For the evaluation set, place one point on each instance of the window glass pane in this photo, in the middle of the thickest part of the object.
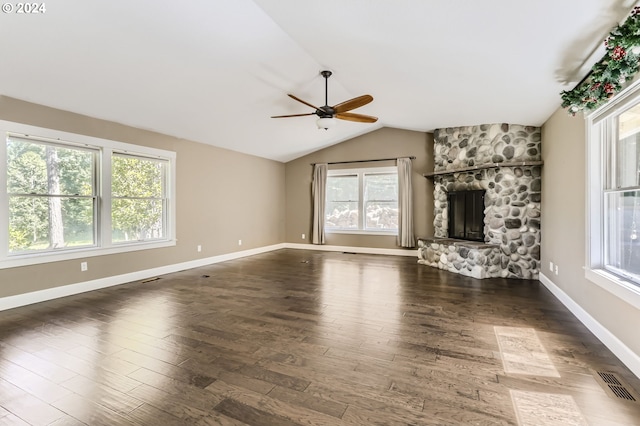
(341, 210)
(137, 204)
(342, 188)
(137, 177)
(51, 196)
(627, 149)
(381, 187)
(37, 168)
(381, 215)
(136, 219)
(622, 242)
(50, 223)
(381, 201)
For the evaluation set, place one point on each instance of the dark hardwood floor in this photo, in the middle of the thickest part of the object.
(297, 337)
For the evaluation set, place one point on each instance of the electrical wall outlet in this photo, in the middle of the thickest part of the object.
(303, 236)
(199, 248)
(83, 266)
(556, 269)
(239, 242)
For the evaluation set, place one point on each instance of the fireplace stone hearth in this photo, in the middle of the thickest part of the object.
(470, 258)
(505, 161)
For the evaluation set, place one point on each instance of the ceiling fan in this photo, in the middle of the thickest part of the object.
(327, 113)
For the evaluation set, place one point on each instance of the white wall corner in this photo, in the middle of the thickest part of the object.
(615, 345)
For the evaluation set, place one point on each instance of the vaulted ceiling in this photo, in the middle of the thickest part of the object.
(214, 71)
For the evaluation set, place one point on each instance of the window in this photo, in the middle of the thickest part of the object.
(138, 198)
(622, 197)
(52, 196)
(71, 196)
(614, 191)
(362, 200)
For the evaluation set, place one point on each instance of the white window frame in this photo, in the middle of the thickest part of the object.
(598, 130)
(361, 172)
(163, 199)
(94, 195)
(106, 148)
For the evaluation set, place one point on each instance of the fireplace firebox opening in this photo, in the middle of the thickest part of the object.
(466, 215)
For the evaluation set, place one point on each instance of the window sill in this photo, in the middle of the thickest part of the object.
(38, 258)
(615, 285)
(391, 232)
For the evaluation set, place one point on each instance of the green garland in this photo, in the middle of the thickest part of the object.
(608, 75)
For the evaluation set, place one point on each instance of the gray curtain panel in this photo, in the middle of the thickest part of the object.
(318, 191)
(405, 204)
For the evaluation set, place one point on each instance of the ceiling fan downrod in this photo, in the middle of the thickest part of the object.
(326, 74)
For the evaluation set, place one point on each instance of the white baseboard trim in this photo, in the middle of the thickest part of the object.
(615, 345)
(24, 299)
(11, 302)
(359, 250)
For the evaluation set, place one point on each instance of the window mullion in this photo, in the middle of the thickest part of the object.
(4, 203)
(105, 197)
(166, 217)
(361, 201)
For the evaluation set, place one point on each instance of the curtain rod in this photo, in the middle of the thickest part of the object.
(365, 161)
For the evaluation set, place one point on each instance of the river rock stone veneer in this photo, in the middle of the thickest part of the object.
(502, 154)
(472, 259)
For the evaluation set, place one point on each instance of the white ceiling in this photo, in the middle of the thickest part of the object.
(214, 71)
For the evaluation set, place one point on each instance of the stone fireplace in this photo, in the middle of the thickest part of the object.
(504, 160)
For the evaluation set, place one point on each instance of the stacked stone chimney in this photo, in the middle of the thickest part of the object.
(505, 161)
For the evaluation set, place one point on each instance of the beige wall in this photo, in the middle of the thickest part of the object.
(222, 196)
(382, 143)
(563, 227)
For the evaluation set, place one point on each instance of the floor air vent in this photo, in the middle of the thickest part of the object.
(614, 386)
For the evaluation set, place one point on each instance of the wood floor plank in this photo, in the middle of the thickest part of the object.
(68, 421)
(251, 415)
(189, 395)
(245, 382)
(46, 369)
(366, 398)
(304, 399)
(361, 416)
(31, 383)
(258, 409)
(26, 406)
(88, 411)
(187, 409)
(280, 379)
(105, 392)
(12, 420)
(219, 419)
(300, 337)
(152, 363)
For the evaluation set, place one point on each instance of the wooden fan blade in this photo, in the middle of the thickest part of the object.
(352, 103)
(301, 101)
(360, 118)
(292, 115)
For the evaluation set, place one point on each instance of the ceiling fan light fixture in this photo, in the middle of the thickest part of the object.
(325, 123)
